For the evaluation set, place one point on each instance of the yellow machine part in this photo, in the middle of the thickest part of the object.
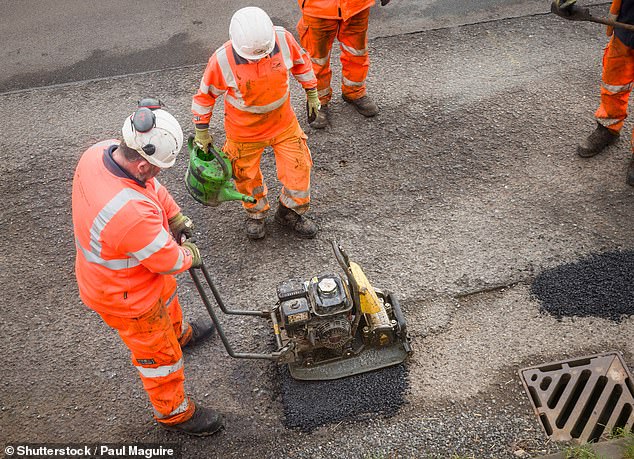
(370, 304)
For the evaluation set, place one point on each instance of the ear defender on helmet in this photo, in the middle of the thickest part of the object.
(154, 134)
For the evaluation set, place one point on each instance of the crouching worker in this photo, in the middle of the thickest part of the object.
(126, 226)
(252, 71)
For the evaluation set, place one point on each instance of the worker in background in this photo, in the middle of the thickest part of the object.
(126, 230)
(347, 20)
(252, 70)
(616, 82)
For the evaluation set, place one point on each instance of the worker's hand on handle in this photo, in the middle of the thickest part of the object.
(181, 226)
(203, 138)
(312, 104)
(568, 10)
(197, 261)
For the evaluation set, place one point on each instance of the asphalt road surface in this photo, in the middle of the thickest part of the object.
(59, 41)
(462, 192)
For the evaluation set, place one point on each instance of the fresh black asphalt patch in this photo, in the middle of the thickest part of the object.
(310, 404)
(600, 285)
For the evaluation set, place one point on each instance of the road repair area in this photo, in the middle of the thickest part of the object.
(464, 197)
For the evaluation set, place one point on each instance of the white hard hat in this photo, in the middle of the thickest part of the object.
(252, 33)
(155, 134)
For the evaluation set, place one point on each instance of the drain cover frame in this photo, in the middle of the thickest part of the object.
(581, 398)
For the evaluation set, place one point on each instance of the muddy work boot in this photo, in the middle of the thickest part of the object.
(364, 105)
(255, 228)
(303, 226)
(204, 422)
(596, 142)
(200, 330)
(630, 173)
(321, 121)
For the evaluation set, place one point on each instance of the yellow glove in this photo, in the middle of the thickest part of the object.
(203, 139)
(312, 102)
(181, 225)
(197, 262)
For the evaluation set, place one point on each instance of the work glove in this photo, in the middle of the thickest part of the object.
(197, 261)
(312, 104)
(568, 10)
(181, 226)
(384, 2)
(203, 138)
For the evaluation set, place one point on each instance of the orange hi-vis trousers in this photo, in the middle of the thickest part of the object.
(293, 163)
(616, 85)
(317, 36)
(154, 339)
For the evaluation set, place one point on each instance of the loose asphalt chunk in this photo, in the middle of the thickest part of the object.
(310, 404)
(600, 285)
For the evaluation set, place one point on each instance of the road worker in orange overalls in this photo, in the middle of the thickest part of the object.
(346, 20)
(126, 227)
(251, 71)
(616, 85)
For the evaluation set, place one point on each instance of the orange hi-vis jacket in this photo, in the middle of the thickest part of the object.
(257, 95)
(334, 9)
(124, 247)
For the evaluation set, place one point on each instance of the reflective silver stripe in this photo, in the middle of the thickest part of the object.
(178, 265)
(259, 206)
(180, 409)
(99, 223)
(617, 89)
(324, 92)
(238, 101)
(305, 76)
(297, 194)
(160, 372)
(287, 201)
(157, 244)
(320, 60)
(348, 82)
(260, 109)
(171, 298)
(284, 49)
(204, 88)
(607, 122)
(185, 328)
(197, 108)
(299, 62)
(157, 184)
(354, 51)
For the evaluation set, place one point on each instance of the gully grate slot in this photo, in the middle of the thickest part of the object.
(581, 399)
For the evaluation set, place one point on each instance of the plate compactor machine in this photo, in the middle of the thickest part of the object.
(326, 327)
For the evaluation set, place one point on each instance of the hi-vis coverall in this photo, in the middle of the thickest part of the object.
(125, 261)
(347, 20)
(618, 69)
(258, 114)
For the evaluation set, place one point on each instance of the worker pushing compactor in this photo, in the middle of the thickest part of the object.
(618, 75)
(251, 71)
(126, 230)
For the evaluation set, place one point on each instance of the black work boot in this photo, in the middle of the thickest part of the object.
(201, 330)
(364, 105)
(596, 142)
(255, 228)
(630, 173)
(321, 121)
(204, 422)
(303, 226)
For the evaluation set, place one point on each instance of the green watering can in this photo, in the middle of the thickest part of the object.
(208, 178)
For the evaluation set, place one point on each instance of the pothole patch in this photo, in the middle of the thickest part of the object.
(601, 285)
(583, 398)
(310, 404)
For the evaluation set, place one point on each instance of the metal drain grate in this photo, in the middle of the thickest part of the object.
(581, 399)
